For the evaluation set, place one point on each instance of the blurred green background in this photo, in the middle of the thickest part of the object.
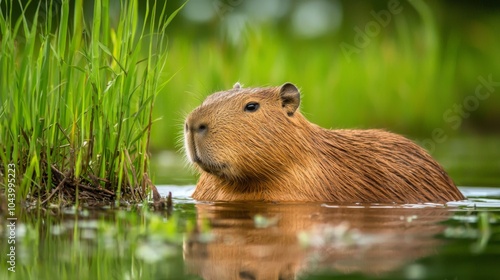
(429, 70)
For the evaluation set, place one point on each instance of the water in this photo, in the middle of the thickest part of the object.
(284, 241)
(460, 240)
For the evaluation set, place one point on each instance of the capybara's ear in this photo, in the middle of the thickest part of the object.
(237, 85)
(290, 98)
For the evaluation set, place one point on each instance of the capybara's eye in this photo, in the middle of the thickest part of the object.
(251, 107)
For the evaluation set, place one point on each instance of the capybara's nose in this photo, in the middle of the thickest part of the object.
(197, 128)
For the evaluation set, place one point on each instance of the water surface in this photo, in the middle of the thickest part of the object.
(196, 240)
(459, 240)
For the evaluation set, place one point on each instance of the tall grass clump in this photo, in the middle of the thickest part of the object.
(77, 96)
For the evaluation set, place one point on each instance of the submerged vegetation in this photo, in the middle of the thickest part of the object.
(96, 244)
(77, 97)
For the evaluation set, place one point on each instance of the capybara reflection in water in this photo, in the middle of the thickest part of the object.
(304, 238)
(253, 144)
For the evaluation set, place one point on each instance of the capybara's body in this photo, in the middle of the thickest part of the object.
(254, 145)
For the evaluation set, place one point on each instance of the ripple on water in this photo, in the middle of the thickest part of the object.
(478, 197)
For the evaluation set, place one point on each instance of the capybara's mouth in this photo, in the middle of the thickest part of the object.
(211, 167)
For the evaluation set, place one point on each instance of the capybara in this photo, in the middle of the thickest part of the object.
(253, 144)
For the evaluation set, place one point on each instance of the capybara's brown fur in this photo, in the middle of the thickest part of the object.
(253, 144)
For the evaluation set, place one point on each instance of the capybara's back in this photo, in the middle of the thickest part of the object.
(380, 166)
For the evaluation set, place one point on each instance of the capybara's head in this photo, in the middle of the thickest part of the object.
(241, 133)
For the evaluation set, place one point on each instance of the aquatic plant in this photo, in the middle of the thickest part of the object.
(77, 91)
